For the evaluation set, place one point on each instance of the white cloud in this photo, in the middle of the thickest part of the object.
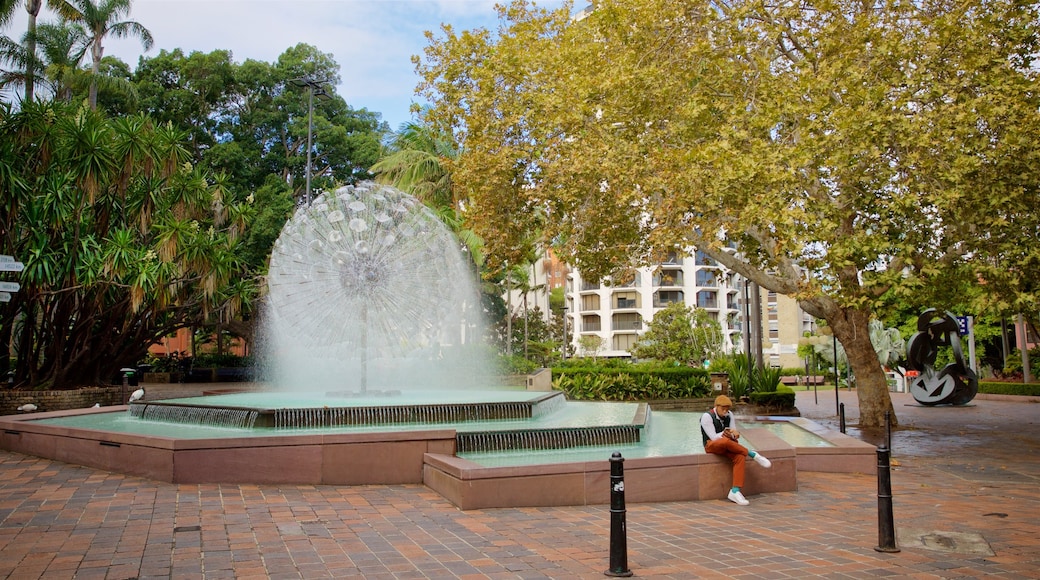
(372, 40)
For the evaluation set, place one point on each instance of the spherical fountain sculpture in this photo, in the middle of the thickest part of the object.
(370, 292)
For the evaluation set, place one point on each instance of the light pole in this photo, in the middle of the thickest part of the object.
(314, 88)
(565, 311)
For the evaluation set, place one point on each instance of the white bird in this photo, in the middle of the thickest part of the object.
(28, 408)
(136, 395)
(96, 405)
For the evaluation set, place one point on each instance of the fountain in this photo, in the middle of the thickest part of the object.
(378, 376)
(368, 287)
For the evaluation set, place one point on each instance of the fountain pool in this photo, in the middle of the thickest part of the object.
(555, 454)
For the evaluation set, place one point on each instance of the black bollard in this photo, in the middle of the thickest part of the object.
(886, 524)
(841, 417)
(888, 429)
(618, 540)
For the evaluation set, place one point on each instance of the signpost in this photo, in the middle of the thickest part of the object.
(965, 327)
(9, 264)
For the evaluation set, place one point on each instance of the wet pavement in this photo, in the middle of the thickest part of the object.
(966, 504)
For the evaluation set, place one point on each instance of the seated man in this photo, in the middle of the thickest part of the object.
(719, 431)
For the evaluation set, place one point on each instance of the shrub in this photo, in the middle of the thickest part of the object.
(767, 380)
(212, 360)
(994, 388)
(1014, 363)
(778, 400)
(630, 383)
(516, 365)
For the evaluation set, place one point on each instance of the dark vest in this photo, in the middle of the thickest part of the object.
(721, 423)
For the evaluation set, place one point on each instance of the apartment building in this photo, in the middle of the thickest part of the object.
(618, 311)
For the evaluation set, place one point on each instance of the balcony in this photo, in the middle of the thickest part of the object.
(706, 279)
(627, 322)
(668, 278)
(665, 297)
(623, 303)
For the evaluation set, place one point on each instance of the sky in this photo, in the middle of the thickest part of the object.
(372, 40)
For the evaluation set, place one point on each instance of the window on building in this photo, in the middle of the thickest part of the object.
(707, 299)
(702, 259)
(590, 302)
(626, 300)
(706, 278)
(624, 341)
(668, 278)
(629, 279)
(591, 323)
(663, 298)
(627, 321)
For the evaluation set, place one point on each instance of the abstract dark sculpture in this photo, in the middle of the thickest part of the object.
(956, 383)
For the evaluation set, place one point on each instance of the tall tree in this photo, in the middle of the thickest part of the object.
(7, 8)
(682, 334)
(840, 152)
(419, 162)
(123, 242)
(102, 18)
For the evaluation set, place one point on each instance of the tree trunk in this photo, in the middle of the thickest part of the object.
(509, 315)
(33, 8)
(96, 51)
(525, 326)
(851, 327)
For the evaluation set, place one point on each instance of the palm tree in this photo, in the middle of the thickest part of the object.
(419, 164)
(56, 50)
(101, 19)
(7, 8)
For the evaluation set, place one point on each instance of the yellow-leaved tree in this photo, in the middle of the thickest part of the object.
(844, 153)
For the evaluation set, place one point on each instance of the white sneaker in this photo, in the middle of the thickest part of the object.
(761, 460)
(737, 498)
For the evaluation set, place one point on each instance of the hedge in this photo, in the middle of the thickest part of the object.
(632, 383)
(1001, 388)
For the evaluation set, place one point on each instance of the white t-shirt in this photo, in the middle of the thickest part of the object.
(709, 425)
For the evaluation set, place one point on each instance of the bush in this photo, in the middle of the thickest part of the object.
(767, 380)
(631, 382)
(213, 360)
(778, 400)
(516, 365)
(994, 388)
(1014, 363)
(793, 371)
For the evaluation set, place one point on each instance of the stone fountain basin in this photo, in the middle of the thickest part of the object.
(420, 455)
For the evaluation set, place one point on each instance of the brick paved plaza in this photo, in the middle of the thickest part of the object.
(966, 505)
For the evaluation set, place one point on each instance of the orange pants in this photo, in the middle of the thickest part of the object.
(736, 452)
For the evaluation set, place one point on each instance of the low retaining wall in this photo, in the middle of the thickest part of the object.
(423, 457)
(60, 400)
(649, 479)
(326, 459)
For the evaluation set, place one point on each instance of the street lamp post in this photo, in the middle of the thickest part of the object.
(314, 88)
(565, 311)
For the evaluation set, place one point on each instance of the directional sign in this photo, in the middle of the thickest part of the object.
(11, 266)
(6, 258)
(962, 325)
(9, 286)
(5, 297)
